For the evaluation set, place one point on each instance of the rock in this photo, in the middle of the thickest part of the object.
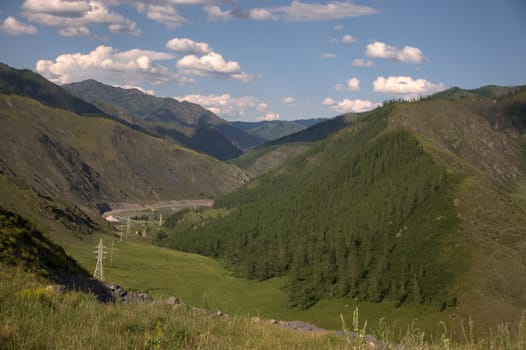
(272, 321)
(56, 288)
(120, 295)
(219, 313)
(173, 301)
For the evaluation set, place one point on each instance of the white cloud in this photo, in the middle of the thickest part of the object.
(353, 84)
(165, 14)
(257, 14)
(338, 27)
(295, 12)
(216, 14)
(77, 13)
(13, 27)
(288, 100)
(228, 106)
(74, 31)
(188, 46)
(261, 15)
(348, 106)
(300, 12)
(348, 38)
(68, 8)
(408, 54)
(149, 91)
(269, 116)
(358, 62)
(406, 87)
(328, 55)
(214, 65)
(328, 101)
(132, 67)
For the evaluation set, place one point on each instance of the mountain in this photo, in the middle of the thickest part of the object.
(59, 167)
(186, 123)
(273, 154)
(418, 203)
(275, 129)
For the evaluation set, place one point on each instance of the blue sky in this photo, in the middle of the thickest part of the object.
(264, 59)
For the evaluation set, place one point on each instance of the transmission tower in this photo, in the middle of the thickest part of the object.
(128, 228)
(99, 269)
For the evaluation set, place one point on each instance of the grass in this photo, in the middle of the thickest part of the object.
(204, 282)
(33, 317)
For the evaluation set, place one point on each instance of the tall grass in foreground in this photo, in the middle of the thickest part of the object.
(32, 317)
(504, 336)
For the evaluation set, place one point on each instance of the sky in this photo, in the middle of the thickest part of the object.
(271, 60)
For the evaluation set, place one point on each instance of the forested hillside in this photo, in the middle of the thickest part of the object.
(388, 208)
(342, 219)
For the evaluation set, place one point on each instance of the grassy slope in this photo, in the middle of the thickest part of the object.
(264, 159)
(205, 282)
(87, 160)
(79, 321)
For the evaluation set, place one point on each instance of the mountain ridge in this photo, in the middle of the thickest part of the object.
(186, 123)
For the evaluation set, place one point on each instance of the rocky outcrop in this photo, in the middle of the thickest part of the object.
(120, 295)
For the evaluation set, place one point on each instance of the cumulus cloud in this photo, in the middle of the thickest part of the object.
(165, 14)
(300, 12)
(76, 14)
(348, 38)
(261, 15)
(297, 11)
(215, 13)
(405, 87)
(328, 101)
(14, 27)
(269, 116)
(328, 55)
(353, 84)
(132, 67)
(74, 31)
(188, 46)
(228, 106)
(358, 62)
(149, 91)
(214, 65)
(288, 100)
(348, 106)
(408, 54)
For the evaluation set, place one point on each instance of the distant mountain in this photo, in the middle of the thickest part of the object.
(275, 129)
(275, 153)
(186, 123)
(420, 203)
(59, 166)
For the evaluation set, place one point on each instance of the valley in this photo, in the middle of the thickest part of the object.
(410, 211)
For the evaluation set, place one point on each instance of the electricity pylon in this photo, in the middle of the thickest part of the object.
(99, 269)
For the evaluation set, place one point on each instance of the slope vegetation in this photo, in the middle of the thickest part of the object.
(186, 123)
(91, 160)
(411, 203)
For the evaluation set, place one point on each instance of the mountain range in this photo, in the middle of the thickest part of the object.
(414, 203)
(183, 122)
(62, 159)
